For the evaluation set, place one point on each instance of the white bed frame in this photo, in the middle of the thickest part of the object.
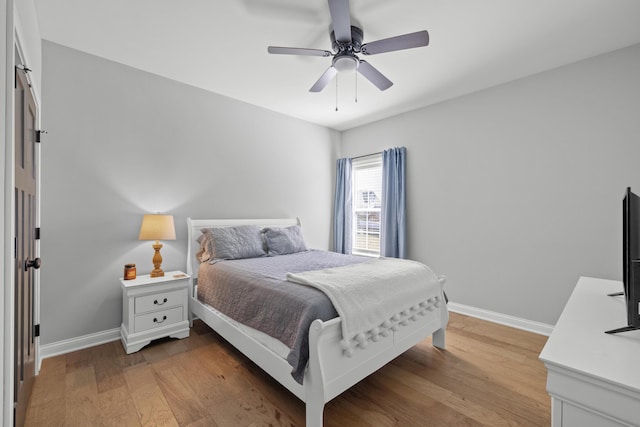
(329, 372)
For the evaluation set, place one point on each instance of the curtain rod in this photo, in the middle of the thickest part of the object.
(366, 155)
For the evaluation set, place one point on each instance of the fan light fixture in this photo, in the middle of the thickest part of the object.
(345, 63)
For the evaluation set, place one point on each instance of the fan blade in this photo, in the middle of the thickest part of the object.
(297, 51)
(324, 79)
(341, 20)
(407, 41)
(374, 76)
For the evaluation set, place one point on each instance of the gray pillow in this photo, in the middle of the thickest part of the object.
(282, 241)
(243, 241)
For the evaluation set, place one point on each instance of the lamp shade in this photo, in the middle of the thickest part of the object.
(157, 227)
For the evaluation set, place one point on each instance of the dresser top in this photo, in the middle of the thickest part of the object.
(579, 343)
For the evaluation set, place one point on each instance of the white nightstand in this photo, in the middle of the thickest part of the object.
(154, 307)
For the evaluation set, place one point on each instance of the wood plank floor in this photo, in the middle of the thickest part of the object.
(489, 375)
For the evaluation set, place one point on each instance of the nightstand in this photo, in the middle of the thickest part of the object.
(154, 307)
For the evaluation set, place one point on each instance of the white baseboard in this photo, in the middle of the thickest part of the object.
(85, 341)
(77, 343)
(503, 319)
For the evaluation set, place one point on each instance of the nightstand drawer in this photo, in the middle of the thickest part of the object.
(158, 301)
(157, 319)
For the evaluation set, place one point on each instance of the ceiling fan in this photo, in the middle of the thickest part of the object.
(346, 41)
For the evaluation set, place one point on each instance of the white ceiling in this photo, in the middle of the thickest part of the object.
(221, 46)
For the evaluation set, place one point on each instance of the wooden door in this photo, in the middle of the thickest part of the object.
(25, 253)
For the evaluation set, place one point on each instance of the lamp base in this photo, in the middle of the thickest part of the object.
(157, 272)
(157, 261)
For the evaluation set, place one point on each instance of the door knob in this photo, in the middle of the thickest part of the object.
(35, 263)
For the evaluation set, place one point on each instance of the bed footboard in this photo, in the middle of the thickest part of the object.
(330, 372)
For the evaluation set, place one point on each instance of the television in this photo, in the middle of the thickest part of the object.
(630, 260)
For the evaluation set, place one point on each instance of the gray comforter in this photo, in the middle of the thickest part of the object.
(255, 291)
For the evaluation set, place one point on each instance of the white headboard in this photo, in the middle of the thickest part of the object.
(195, 225)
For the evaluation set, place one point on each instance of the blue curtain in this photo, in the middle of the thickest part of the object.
(393, 209)
(342, 207)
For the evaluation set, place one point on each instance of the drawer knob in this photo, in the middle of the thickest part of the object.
(155, 320)
(164, 301)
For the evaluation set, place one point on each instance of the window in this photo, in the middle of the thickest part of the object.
(367, 201)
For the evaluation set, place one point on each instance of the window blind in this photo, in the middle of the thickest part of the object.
(367, 200)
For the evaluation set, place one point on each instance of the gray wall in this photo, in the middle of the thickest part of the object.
(123, 143)
(514, 192)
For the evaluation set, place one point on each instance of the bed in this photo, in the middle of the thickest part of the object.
(330, 367)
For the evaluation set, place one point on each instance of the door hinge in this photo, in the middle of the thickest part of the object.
(37, 233)
(36, 330)
(15, 75)
(39, 135)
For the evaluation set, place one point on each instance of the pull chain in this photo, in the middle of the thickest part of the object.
(356, 73)
(336, 93)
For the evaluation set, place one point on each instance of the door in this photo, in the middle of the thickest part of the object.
(25, 248)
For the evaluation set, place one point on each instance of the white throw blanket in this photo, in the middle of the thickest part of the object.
(375, 297)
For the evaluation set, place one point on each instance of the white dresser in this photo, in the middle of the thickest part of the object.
(154, 307)
(593, 378)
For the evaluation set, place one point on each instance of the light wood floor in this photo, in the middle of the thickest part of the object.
(489, 375)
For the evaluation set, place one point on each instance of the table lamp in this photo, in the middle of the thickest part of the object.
(157, 227)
